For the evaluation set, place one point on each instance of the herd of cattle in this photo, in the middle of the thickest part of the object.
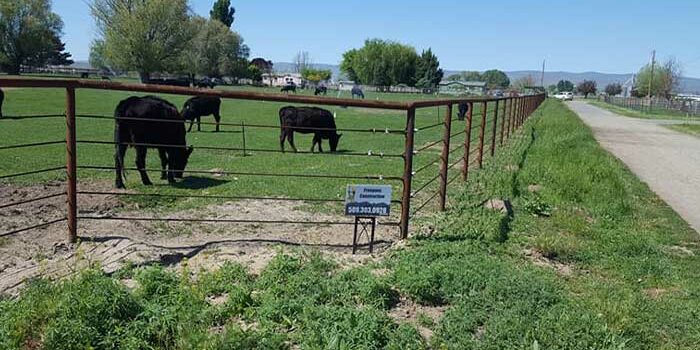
(152, 122)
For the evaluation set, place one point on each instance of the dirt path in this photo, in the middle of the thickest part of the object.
(668, 161)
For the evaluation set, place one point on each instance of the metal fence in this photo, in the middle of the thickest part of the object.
(463, 147)
(684, 107)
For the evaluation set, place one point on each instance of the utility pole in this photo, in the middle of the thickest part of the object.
(542, 76)
(653, 62)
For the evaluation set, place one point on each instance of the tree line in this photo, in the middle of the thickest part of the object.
(163, 36)
(30, 35)
(385, 63)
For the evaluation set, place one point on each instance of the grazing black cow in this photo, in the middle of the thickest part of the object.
(321, 90)
(289, 88)
(308, 120)
(169, 134)
(357, 91)
(199, 106)
(2, 98)
(463, 109)
(205, 83)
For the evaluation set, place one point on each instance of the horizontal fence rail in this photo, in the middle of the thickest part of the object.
(427, 166)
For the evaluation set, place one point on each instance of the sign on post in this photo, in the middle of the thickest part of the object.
(366, 203)
(368, 200)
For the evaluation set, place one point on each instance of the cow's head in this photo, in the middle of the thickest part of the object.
(179, 158)
(334, 141)
(187, 112)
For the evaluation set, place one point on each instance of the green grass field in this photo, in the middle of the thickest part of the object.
(690, 129)
(590, 260)
(653, 114)
(24, 102)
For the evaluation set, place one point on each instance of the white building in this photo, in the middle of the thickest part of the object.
(282, 79)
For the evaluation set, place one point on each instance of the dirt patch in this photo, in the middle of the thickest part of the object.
(424, 318)
(658, 293)
(537, 258)
(204, 245)
(679, 251)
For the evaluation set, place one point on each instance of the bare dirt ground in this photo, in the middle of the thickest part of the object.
(112, 243)
(668, 161)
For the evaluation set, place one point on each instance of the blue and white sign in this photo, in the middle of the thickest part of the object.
(368, 200)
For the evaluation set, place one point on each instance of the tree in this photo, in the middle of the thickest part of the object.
(495, 78)
(316, 75)
(301, 61)
(29, 33)
(552, 89)
(381, 63)
(254, 73)
(665, 80)
(263, 65)
(145, 36)
(613, 89)
(428, 72)
(214, 50)
(223, 12)
(58, 56)
(524, 82)
(587, 87)
(565, 85)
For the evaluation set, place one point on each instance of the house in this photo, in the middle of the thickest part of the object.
(474, 88)
(282, 79)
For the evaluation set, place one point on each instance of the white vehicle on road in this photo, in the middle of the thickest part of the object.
(564, 96)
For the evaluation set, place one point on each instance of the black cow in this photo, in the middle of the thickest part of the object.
(308, 120)
(357, 91)
(169, 134)
(321, 90)
(197, 107)
(463, 109)
(84, 75)
(2, 98)
(205, 83)
(288, 88)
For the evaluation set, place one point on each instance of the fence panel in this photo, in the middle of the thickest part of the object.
(512, 112)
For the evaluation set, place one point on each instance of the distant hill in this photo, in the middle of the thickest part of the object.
(688, 85)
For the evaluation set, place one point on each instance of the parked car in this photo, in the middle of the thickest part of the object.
(564, 96)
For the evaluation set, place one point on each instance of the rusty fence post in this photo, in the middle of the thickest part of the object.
(467, 142)
(510, 117)
(445, 157)
(482, 127)
(71, 173)
(494, 129)
(503, 119)
(408, 171)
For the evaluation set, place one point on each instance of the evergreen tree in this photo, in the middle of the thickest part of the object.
(223, 12)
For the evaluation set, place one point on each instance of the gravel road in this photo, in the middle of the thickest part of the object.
(668, 161)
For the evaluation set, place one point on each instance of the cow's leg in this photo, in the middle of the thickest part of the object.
(217, 117)
(290, 137)
(283, 135)
(163, 163)
(141, 165)
(191, 124)
(199, 123)
(320, 144)
(171, 170)
(120, 150)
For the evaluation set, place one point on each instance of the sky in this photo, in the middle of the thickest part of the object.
(571, 35)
